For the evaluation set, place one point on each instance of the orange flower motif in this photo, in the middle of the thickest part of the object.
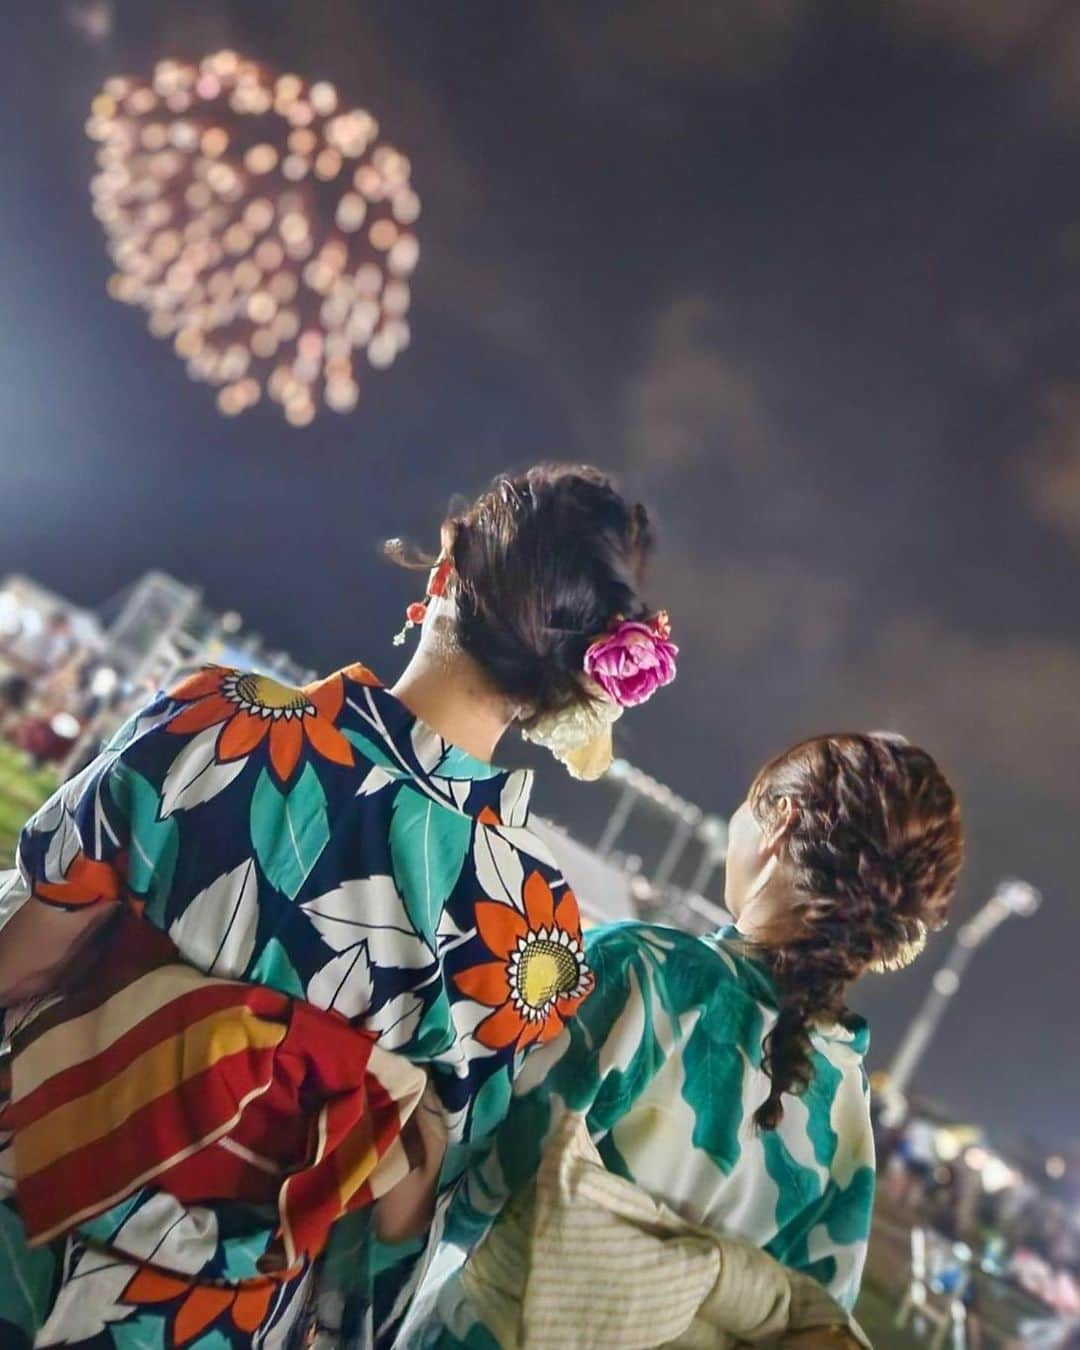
(540, 975)
(247, 1304)
(87, 882)
(255, 707)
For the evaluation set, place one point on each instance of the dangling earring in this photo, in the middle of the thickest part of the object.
(438, 584)
(414, 616)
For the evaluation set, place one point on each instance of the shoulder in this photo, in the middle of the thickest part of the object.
(214, 695)
(260, 692)
(703, 988)
(664, 967)
(195, 738)
(662, 952)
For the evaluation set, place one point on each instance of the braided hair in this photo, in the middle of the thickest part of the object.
(874, 847)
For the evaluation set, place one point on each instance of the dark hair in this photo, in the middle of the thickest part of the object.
(544, 561)
(875, 846)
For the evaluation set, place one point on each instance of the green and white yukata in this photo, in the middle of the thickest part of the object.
(665, 1062)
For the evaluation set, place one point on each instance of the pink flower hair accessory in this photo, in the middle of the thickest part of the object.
(632, 661)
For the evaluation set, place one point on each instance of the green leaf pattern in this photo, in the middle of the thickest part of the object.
(154, 843)
(289, 829)
(665, 1060)
(428, 847)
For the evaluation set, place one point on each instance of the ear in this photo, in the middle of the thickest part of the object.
(780, 826)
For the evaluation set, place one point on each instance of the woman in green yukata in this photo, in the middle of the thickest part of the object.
(722, 1076)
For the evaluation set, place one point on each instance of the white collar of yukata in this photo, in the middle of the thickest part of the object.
(469, 785)
(854, 1033)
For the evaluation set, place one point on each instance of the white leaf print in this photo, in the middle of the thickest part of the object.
(89, 1299)
(190, 1234)
(467, 1017)
(498, 866)
(369, 910)
(344, 983)
(66, 797)
(75, 788)
(377, 779)
(369, 900)
(392, 947)
(49, 815)
(428, 746)
(527, 841)
(448, 932)
(216, 932)
(63, 847)
(459, 791)
(386, 946)
(514, 800)
(139, 725)
(195, 776)
(395, 1022)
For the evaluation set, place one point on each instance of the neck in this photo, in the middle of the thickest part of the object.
(760, 935)
(451, 694)
(770, 918)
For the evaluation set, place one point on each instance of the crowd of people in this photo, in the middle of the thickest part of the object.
(999, 1221)
(56, 683)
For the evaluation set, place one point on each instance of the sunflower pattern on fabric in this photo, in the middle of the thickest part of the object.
(325, 843)
(252, 708)
(540, 976)
(194, 1308)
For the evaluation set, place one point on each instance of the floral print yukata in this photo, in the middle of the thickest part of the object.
(323, 842)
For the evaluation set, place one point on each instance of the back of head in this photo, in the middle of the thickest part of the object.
(873, 851)
(544, 561)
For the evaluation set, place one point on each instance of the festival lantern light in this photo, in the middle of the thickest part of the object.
(263, 228)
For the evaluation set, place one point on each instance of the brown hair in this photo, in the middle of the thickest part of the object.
(875, 848)
(544, 561)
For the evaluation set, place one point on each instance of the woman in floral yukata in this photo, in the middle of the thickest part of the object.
(351, 847)
(722, 1076)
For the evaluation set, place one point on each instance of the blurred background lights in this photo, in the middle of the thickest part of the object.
(261, 227)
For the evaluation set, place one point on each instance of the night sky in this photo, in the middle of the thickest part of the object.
(806, 274)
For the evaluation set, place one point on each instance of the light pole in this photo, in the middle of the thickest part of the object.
(1011, 897)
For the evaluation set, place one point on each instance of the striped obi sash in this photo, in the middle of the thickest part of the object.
(152, 1074)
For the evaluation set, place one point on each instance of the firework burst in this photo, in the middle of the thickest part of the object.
(264, 228)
